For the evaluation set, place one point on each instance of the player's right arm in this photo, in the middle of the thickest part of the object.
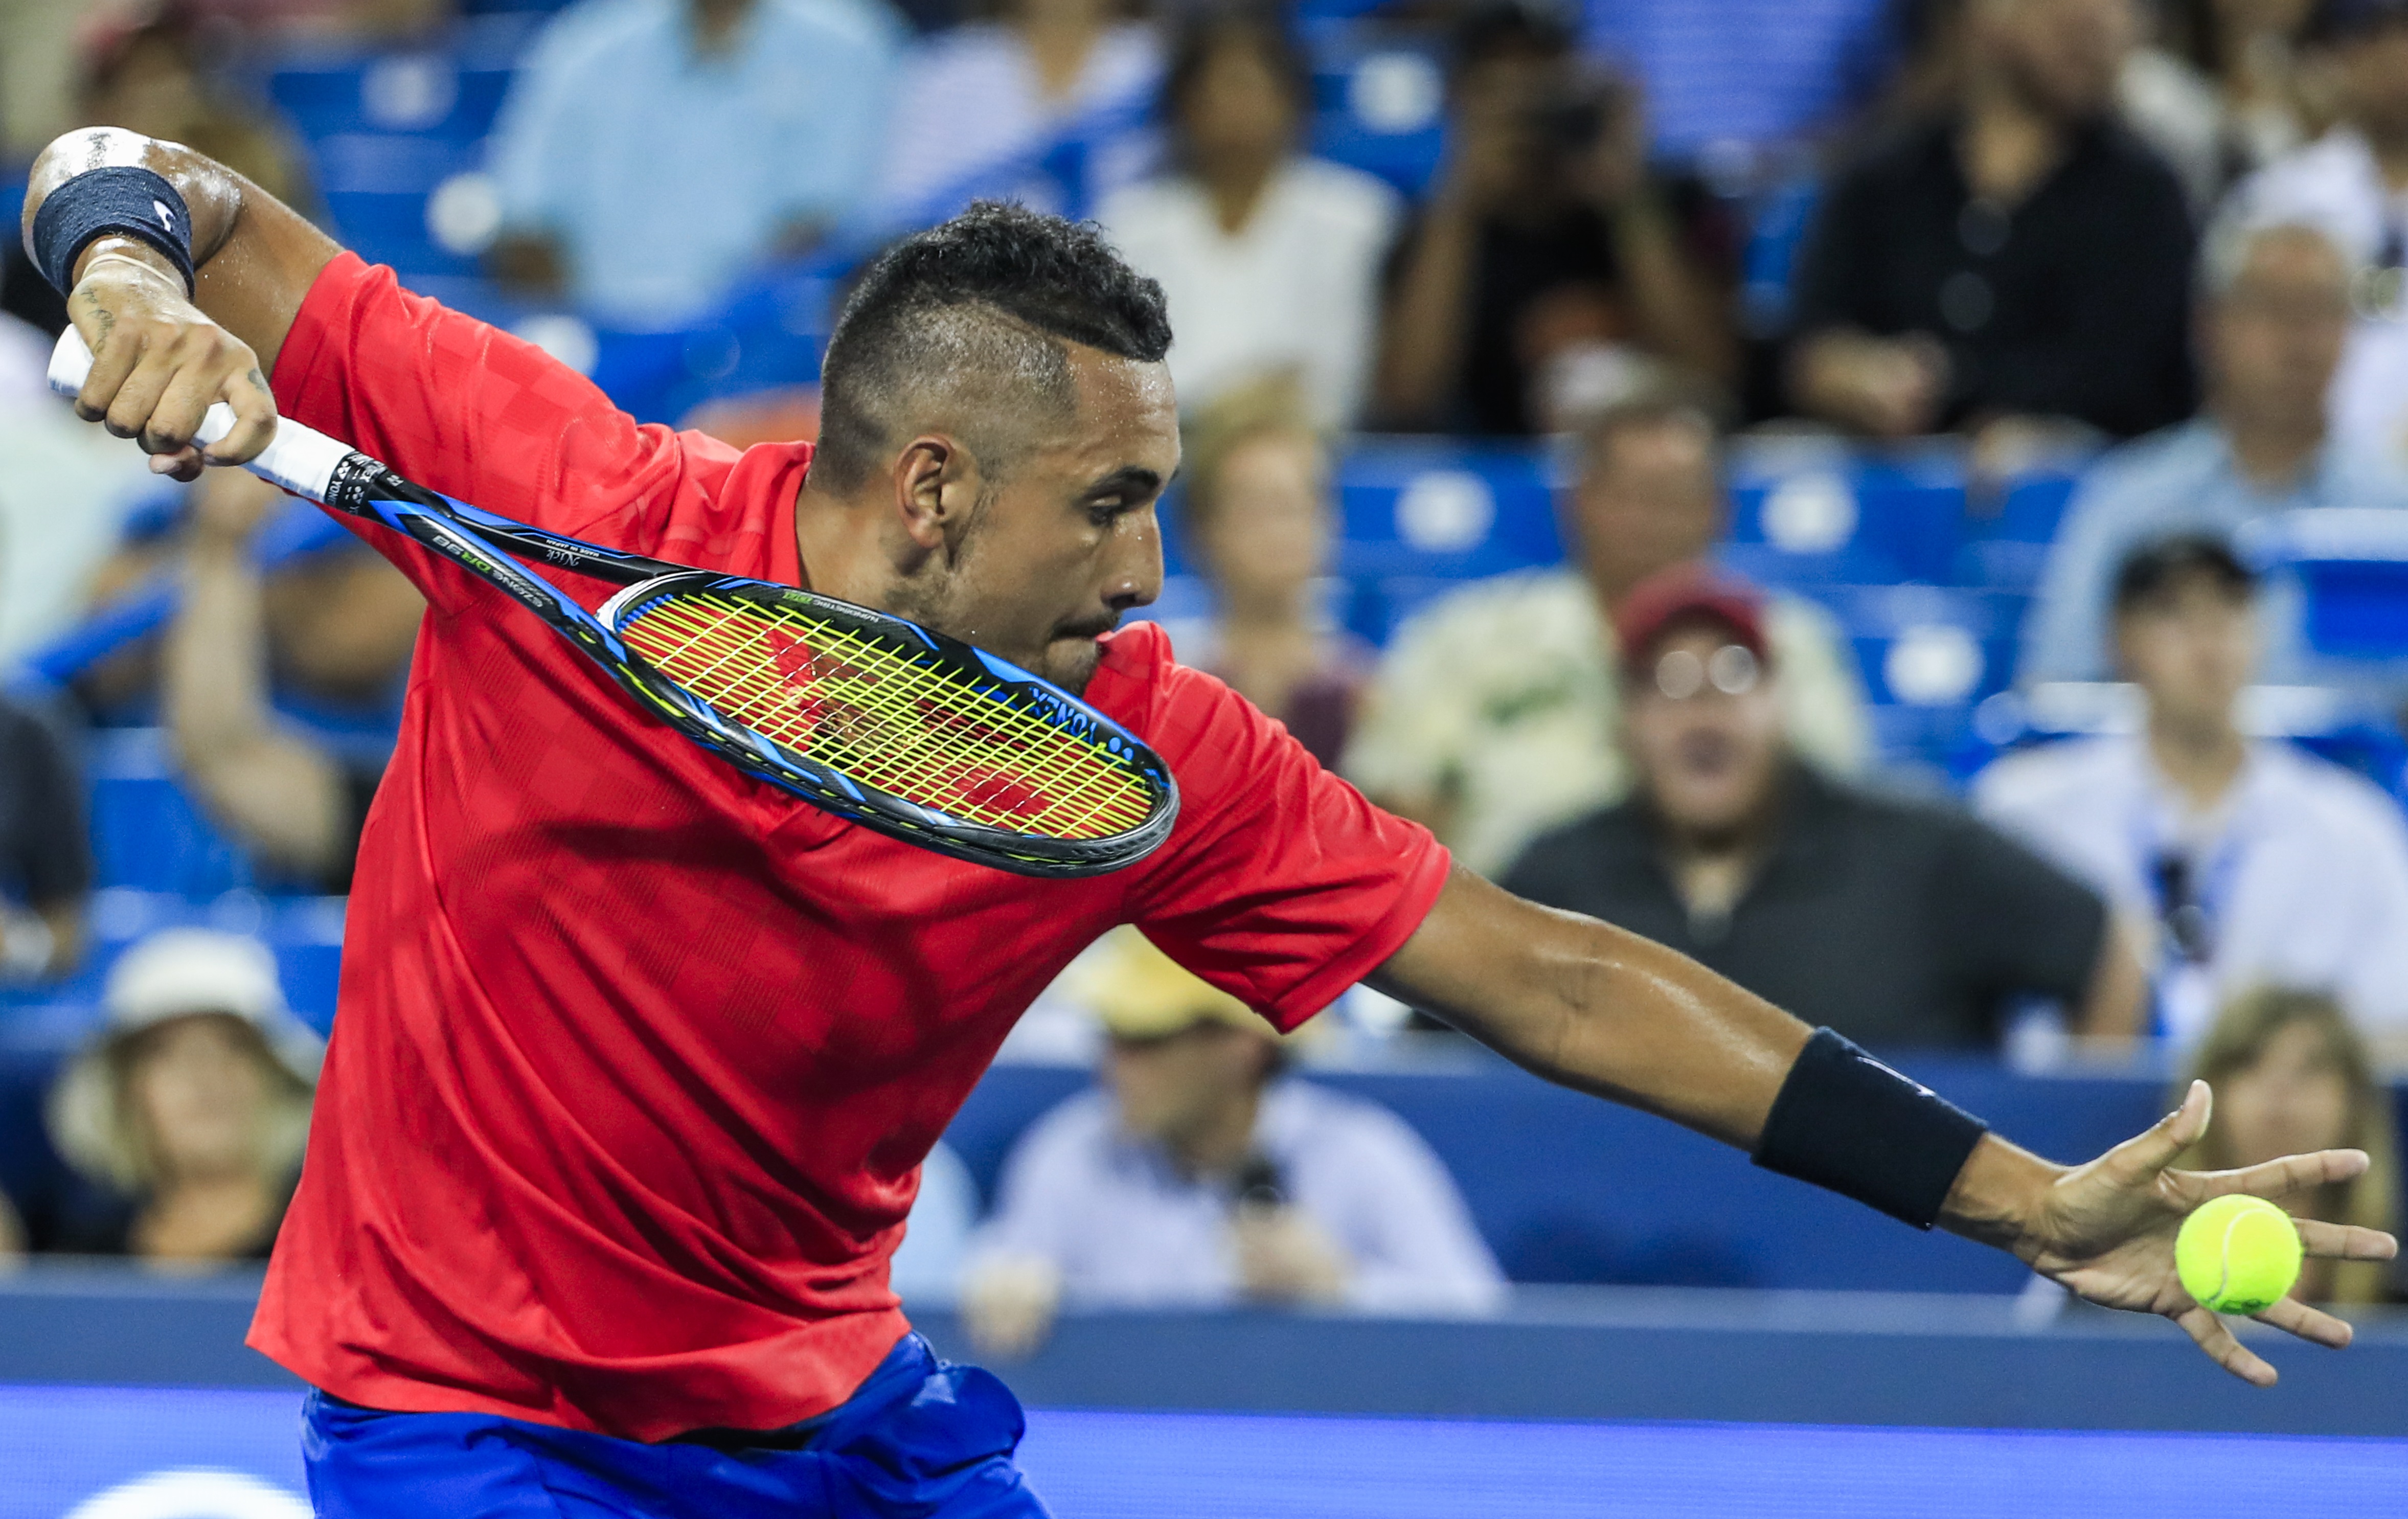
(161, 357)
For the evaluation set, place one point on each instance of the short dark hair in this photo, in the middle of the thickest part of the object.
(1209, 28)
(2152, 571)
(1500, 28)
(986, 301)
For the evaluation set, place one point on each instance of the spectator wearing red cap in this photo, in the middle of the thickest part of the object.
(1898, 923)
(1496, 711)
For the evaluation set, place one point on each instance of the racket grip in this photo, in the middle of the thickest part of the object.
(298, 459)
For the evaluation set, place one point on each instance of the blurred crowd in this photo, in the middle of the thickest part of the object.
(2164, 243)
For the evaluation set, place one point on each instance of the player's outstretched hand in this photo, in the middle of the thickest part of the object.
(159, 363)
(2106, 1232)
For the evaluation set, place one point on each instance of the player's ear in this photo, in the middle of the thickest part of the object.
(936, 486)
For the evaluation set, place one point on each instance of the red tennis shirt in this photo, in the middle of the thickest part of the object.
(637, 1057)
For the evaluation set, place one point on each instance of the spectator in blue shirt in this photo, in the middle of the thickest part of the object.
(1198, 1176)
(651, 150)
(2275, 310)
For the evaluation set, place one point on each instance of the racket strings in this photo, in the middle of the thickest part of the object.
(863, 707)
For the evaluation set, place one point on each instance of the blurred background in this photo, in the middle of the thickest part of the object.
(1901, 500)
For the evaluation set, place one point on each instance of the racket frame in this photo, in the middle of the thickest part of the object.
(312, 465)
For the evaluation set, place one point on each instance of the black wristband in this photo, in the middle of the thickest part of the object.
(1844, 1121)
(118, 200)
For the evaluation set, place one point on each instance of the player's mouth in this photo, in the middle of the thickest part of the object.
(1086, 630)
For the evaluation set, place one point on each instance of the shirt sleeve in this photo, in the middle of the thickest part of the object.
(829, 175)
(535, 136)
(1419, 713)
(1822, 700)
(1049, 1178)
(2019, 924)
(1405, 1228)
(1282, 885)
(2065, 635)
(469, 410)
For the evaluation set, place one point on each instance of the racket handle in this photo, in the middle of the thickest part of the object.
(298, 459)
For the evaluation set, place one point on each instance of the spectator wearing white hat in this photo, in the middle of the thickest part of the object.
(190, 1107)
(1197, 1175)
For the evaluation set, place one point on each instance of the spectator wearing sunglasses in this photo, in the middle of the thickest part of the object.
(1495, 712)
(2252, 862)
(1899, 922)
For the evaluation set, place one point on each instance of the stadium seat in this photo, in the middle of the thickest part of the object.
(387, 131)
(1927, 645)
(1816, 517)
(1379, 105)
(1929, 657)
(146, 832)
(2350, 567)
(2007, 549)
(1445, 510)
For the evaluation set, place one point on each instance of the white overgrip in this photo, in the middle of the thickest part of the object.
(298, 459)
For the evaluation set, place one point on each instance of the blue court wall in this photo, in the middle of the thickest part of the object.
(1567, 1188)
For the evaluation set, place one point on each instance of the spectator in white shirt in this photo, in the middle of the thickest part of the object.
(1271, 259)
(977, 100)
(1198, 1176)
(2256, 863)
(2353, 182)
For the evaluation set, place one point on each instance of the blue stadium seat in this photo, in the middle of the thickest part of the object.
(1929, 657)
(1445, 510)
(1422, 515)
(1826, 519)
(146, 832)
(2008, 550)
(2350, 567)
(385, 131)
(1927, 645)
(1378, 105)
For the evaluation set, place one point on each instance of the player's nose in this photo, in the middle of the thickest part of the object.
(1133, 570)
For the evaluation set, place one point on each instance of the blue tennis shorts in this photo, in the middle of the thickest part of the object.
(921, 1439)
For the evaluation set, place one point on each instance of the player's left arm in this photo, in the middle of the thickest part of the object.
(1603, 1011)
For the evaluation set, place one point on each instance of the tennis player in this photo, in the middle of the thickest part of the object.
(638, 1057)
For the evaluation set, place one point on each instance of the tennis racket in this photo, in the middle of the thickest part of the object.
(870, 717)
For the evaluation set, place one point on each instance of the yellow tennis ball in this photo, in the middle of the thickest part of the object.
(2237, 1254)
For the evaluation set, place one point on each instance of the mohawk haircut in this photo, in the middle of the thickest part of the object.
(964, 326)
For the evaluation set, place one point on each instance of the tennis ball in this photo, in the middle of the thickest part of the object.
(2237, 1254)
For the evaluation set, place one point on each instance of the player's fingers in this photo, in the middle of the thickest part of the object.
(2214, 1335)
(177, 415)
(113, 359)
(2153, 1149)
(2279, 1177)
(183, 465)
(2346, 1241)
(254, 420)
(138, 388)
(2292, 1316)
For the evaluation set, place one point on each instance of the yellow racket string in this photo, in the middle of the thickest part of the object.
(869, 710)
